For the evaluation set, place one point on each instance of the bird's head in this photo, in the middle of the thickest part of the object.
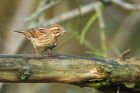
(56, 30)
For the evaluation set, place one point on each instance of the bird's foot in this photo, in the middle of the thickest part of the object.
(49, 53)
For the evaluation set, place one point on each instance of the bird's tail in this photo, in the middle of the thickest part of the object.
(19, 32)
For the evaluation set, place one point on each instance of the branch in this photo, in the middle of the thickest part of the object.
(74, 13)
(40, 11)
(87, 9)
(125, 5)
(71, 14)
(81, 71)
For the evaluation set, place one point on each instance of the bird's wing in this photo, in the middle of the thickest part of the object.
(34, 32)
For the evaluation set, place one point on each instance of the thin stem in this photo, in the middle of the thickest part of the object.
(87, 44)
(102, 29)
(87, 26)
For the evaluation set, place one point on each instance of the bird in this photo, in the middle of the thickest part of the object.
(43, 37)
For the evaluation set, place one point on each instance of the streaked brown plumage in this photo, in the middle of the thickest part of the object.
(43, 37)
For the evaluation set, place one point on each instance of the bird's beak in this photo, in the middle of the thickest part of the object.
(64, 31)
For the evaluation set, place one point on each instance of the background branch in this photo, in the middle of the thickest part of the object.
(125, 5)
(71, 14)
(40, 10)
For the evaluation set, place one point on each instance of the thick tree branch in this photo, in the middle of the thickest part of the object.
(91, 72)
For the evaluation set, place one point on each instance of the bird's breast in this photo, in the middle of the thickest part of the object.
(43, 42)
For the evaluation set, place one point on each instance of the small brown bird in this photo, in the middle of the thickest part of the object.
(43, 37)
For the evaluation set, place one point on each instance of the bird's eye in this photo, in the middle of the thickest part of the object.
(58, 29)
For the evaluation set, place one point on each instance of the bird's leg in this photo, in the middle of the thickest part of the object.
(49, 50)
(36, 51)
(50, 53)
(52, 47)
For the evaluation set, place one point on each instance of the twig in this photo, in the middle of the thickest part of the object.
(40, 11)
(126, 5)
(124, 54)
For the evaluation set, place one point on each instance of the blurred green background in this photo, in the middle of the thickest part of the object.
(94, 28)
